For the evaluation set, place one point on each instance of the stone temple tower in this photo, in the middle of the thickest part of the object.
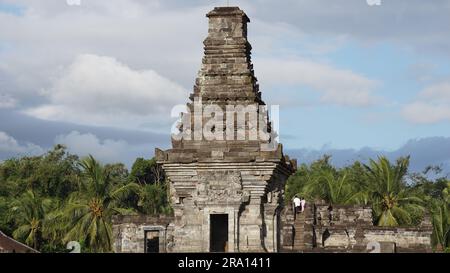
(227, 180)
(226, 191)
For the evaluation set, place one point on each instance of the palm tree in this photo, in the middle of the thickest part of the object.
(29, 213)
(88, 213)
(392, 201)
(441, 224)
(335, 189)
(446, 193)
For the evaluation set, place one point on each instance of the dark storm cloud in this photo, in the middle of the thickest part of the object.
(21, 135)
(40, 132)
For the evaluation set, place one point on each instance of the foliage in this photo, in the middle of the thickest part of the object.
(393, 202)
(320, 180)
(48, 200)
(146, 172)
(396, 196)
(29, 214)
(307, 174)
(88, 211)
(441, 224)
(153, 199)
(334, 189)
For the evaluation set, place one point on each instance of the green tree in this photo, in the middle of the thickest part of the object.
(89, 211)
(441, 224)
(357, 176)
(29, 213)
(333, 188)
(6, 224)
(118, 173)
(446, 193)
(153, 199)
(441, 219)
(393, 202)
(146, 171)
(53, 174)
(306, 175)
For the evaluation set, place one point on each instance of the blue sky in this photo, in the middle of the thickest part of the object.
(11, 8)
(379, 126)
(349, 77)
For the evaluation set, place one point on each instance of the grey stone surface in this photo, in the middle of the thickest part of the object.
(349, 229)
(130, 232)
(235, 176)
(232, 176)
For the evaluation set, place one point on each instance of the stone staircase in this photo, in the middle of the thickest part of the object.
(299, 232)
(299, 228)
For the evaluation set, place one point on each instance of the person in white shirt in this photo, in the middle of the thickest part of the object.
(302, 204)
(297, 204)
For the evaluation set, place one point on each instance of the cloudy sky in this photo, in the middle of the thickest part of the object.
(352, 79)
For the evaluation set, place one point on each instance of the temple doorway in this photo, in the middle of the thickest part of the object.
(218, 233)
(152, 242)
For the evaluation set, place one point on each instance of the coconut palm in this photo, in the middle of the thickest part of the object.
(446, 193)
(441, 224)
(88, 212)
(334, 189)
(29, 213)
(392, 201)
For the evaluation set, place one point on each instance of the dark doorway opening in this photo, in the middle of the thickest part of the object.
(219, 233)
(152, 242)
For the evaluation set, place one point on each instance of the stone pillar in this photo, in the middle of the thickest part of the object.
(251, 225)
(271, 214)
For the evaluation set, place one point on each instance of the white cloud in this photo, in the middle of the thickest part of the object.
(419, 112)
(431, 106)
(166, 37)
(336, 86)
(97, 90)
(438, 93)
(6, 101)
(137, 32)
(108, 150)
(9, 146)
(394, 21)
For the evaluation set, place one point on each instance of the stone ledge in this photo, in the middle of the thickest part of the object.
(141, 219)
(227, 11)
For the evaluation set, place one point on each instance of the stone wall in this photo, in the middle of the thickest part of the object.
(350, 229)
(129, 232)
(342, 214)
(351, 233)
(249, 193)
(407, 239)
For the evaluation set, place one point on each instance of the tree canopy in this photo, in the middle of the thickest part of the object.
(49, 200)
(397, 197)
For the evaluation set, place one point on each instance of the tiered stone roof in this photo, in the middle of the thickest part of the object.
(226, 77)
